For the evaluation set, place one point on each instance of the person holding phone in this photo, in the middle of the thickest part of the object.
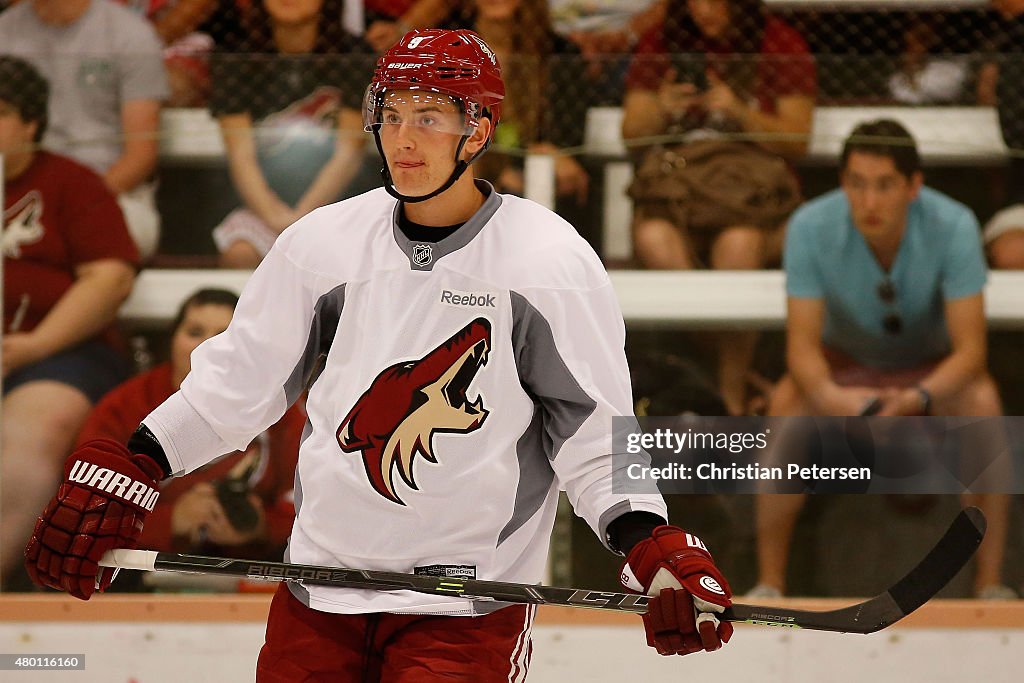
(733, 88)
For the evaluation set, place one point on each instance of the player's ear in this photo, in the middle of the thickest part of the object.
(478, 138)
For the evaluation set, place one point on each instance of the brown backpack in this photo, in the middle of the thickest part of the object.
(714, 184)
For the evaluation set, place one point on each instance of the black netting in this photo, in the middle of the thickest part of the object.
(560, 65)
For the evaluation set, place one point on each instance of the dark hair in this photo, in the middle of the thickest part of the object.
(331, 37)
(681, 35)
(884, 138)
(746, 27)
(205, 297)
(25, 89)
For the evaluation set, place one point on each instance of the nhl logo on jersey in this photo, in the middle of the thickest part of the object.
(422, 254)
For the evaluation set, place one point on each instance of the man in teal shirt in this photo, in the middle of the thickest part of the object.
(886, 316)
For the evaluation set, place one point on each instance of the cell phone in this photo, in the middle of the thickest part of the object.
(871, 407)
(233, 496)
(691, 68)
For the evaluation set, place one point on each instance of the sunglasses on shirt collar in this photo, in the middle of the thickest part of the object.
(892, 322)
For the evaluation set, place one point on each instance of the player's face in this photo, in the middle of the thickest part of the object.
(711, 16)
(419, 134)
(293, 11)
(201, 322)
(878, 193)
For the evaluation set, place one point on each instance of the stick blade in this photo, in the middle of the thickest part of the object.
(931, 575)
(944, 561)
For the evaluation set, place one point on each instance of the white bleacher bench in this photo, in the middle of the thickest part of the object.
(190, 134)
(944, 134)
(967, 135)
(953, 135)
(948, 135)
(684, 299)
(856, 5)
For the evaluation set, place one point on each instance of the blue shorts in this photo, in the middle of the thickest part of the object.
(94, 368)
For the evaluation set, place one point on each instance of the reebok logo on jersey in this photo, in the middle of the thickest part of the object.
(114, 483)
(467, 299)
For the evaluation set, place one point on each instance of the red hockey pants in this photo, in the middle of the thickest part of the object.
(304, 644)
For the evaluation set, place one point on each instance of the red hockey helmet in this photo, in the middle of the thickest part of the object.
(456, 63)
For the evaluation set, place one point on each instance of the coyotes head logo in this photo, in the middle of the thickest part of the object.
(22, 224)
(409, 402)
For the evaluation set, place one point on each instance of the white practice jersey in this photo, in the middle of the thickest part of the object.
(454, 388)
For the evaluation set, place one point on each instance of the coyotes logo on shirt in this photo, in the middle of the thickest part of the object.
(23, 224)
(409, 402)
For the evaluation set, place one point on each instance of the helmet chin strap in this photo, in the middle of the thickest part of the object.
(460, 168)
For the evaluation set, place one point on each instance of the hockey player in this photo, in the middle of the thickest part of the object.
(463, 352)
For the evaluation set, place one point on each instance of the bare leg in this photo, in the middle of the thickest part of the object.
(737, 248)
(1007, 250)
(41, 421)
(981, 398)
(776, 514)
(661, 246)
(240, 255)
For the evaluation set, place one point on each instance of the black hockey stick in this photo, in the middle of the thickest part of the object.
(921, 584)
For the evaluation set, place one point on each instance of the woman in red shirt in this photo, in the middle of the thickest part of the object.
(196, 512)
(719, 70)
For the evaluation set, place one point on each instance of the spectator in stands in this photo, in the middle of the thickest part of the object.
(388, 20)
(186, 46)
(1001, 84)
(1004, 237)
(924, 75)
(608, 26)
(108, 81)
(240, 505)
(288, 98)
(885, 282)
(69, 262)
(606, 29)
(546, 94)
(742, 94)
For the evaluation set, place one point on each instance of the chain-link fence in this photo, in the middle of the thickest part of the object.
(226, 63)
(261, 124)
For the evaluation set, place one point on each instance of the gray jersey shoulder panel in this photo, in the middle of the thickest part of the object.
(326, 317)
(561, 407)
(535, 475)
(545, 376)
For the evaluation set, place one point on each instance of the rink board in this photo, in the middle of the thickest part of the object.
(145, 639)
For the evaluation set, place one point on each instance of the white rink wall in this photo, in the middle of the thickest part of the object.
(150, 650)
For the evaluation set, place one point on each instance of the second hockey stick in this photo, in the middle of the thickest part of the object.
(940, 565)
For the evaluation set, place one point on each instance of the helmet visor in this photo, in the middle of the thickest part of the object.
(424, 109)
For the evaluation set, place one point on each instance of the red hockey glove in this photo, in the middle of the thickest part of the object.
(676, 568)
(101, 505)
